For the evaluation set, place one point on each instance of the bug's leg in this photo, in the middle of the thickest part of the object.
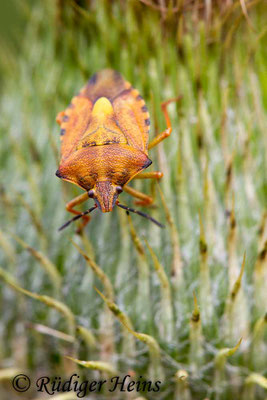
(163, 135)
(59, 117)
(145, 200)
(74, 202)
(149, 175)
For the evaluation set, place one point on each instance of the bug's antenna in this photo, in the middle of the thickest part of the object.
(128, 209)
(77, 217)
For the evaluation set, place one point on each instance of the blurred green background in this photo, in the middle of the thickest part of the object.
(212, 199)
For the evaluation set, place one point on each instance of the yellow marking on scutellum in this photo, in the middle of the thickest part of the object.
(102, 107)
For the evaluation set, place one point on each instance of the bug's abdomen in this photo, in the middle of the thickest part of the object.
(106, 83)
(108, 110)
(131, 113)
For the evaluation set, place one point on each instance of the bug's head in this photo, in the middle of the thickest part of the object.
(105, 195)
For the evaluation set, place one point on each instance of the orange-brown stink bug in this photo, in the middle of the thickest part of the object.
(104, 143)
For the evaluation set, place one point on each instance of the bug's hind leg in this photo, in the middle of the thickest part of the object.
(74, 202)
(144, 199)
(163, 135)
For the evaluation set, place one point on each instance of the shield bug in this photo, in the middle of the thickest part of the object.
(104, 143)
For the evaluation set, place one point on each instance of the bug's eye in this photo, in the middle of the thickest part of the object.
(118, 189)
(91, 193)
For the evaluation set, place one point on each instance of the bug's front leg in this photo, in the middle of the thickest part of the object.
(74, 202)
(149, 175)
(163, 135)
(145, 200)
